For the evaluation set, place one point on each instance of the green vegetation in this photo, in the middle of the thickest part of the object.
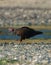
(11, 61)
(6, 62)
(3, 62)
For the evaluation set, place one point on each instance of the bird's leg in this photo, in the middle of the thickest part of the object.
(20, 39)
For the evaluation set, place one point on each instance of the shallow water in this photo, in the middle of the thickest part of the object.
(7, 35)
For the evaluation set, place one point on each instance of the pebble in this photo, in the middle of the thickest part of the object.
(27, 54)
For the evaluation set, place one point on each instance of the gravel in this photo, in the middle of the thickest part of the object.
(27, 54)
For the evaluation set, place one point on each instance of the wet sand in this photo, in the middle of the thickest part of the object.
(28, 41)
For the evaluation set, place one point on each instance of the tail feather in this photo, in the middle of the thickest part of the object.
(38, 32)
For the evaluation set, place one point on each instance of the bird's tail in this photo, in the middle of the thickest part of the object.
(39, 32)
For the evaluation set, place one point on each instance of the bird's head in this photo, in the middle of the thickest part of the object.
(11, 29)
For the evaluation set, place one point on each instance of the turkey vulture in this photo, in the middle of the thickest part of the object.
(25, 32)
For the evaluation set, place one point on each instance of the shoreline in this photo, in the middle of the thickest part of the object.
(27, 41)
(32, 26)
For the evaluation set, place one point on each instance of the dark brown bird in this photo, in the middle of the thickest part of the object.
(25, 32)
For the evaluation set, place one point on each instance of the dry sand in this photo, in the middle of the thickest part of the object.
(26, 3)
